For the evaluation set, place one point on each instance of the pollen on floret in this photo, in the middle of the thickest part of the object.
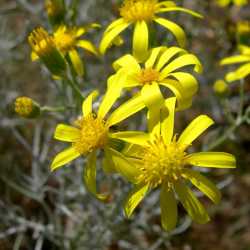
(65, 38)
(93, 135)
(148, 75)
(161, 163)
(138, 10)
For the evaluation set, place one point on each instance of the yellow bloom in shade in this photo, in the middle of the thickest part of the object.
(224, 3)
(243, 70)
(243, 28)
(44, 47)
(91, 133)
(164, 67)
(141, 13)
(26, 107)
(67, 40)
(220, 87)
(160, 160)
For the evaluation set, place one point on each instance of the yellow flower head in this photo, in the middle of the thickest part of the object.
(141, 13)
(90, 133)
(244, 58)
(44, 47)
(220, 87)
(26, 107)
(224, 3)
(163, 68)
(160, 160)
(66, 40)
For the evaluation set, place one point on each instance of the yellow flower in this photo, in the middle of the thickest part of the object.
(163, 68)
(91, 133)
(160, 160)
(243, 70)
(224, 3)
(44, 47)
(141, 13)
(26, 107)
(67, 40)
(220, 87)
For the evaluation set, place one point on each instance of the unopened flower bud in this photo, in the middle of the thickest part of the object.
(26, 107)
(45, 48)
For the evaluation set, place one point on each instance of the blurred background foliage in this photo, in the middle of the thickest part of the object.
(44, 210)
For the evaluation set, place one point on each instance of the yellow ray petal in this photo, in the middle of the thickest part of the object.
(195, 129)
(235, 59)
(127, 109)
(87, 46)
(89, 177)
(191, 204)
(168, 205)
(115, 84)
(76, 61)
(127, 61)
(212, 160)
(167, 124)
(134, 137)
(109, 36)
(140, 41)
(168, 55)
(155, 53)
(171, 9)
(187, 81)
(240, 73)
(87, 103)
(166, 4)
(203, 184)
(113, 24)
(177, 31)
(64, 157)
(123, 166)
(66, 133)
(134, 198)
(177, 89)
(153, 99)
(180, 62)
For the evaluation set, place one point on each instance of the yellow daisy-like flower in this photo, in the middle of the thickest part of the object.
(91, 133)
(67, 40)
(141, 13)
(243, 70)
(163, 68)
(224, 3)
(160, 160)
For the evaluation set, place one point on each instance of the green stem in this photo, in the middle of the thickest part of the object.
(75, 88)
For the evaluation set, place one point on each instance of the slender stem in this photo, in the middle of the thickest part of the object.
(55, 109)
(75, 88)
(241, 105)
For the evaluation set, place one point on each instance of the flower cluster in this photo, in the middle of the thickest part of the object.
(162, 81)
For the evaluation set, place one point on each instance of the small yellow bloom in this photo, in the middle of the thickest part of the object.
(224, 3)
(26, 107)
(91, 133)
(141, 13)
(220, 87)
(160, 160)
(164, 68)
(243, 70)
(66, 40)
(55, 10)
(44, 47)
